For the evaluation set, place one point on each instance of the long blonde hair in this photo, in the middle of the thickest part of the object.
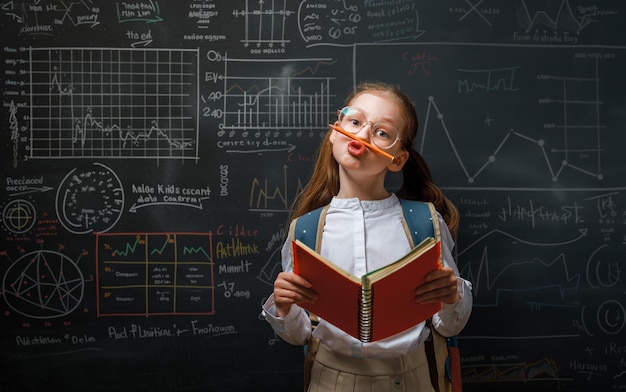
(417, 181)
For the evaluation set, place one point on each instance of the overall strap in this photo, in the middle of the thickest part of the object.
(309, 228)
(422, 221)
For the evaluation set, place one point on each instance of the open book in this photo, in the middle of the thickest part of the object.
(379, 304)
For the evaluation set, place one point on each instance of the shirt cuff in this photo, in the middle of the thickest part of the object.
(269, 313)
(451, 319)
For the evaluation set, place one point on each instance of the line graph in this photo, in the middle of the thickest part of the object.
(564, 19)
(545, 369)
(559, 153)
(490, 286)
(493, 279)
(579, 94)
(498, 79)
(297, 97)
(433, 113)
(274, 193)
(113, 103)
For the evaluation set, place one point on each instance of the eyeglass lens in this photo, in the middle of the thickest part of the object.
(382, 134)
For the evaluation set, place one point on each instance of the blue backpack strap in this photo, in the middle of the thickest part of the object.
(307, 228)
(421, 219)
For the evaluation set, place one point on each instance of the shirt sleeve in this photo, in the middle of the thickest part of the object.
(452, 318)
(295, 327)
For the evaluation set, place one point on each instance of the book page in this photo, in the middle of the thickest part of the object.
(339, 291)
(394, 308)
(379, 273)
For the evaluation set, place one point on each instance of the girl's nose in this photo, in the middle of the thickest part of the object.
(365, 132)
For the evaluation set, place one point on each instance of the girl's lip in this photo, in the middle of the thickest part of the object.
(356, 148)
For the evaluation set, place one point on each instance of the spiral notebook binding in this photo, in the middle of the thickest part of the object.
(366, 320)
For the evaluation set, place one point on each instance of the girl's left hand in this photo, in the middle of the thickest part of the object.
(440, 286)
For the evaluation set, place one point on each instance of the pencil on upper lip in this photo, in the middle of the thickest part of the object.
(368, 145)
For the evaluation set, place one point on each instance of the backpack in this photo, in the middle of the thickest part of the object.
(420, 221)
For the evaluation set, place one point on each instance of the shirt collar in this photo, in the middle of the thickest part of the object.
(367, 205)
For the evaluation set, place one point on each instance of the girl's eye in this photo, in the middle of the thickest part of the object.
(382, 133)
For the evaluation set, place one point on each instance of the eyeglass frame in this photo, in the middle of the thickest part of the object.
(372, 128)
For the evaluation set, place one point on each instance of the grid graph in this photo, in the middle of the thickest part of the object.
(105, 102)
(149, 274)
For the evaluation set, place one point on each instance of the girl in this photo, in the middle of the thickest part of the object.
(363, 231)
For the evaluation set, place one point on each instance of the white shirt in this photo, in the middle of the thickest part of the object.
(375, 231)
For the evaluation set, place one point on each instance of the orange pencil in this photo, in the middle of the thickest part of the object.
(368, 145)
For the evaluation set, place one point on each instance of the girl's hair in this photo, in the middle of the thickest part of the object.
(417, 181)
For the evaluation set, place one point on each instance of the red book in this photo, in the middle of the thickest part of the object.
(379, 304)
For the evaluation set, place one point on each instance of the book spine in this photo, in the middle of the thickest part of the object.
(366, 320)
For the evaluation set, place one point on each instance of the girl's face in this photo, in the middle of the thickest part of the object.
(350, 154)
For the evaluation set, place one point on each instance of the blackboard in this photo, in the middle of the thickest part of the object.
(151, 151)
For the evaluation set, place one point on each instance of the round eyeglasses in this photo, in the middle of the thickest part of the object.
(382, 134)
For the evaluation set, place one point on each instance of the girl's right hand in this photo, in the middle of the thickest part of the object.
(290, 289)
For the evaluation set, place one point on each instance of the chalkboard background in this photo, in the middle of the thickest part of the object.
(151, 151)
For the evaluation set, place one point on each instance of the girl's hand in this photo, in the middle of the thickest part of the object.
(440, 286)
(290, 289)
